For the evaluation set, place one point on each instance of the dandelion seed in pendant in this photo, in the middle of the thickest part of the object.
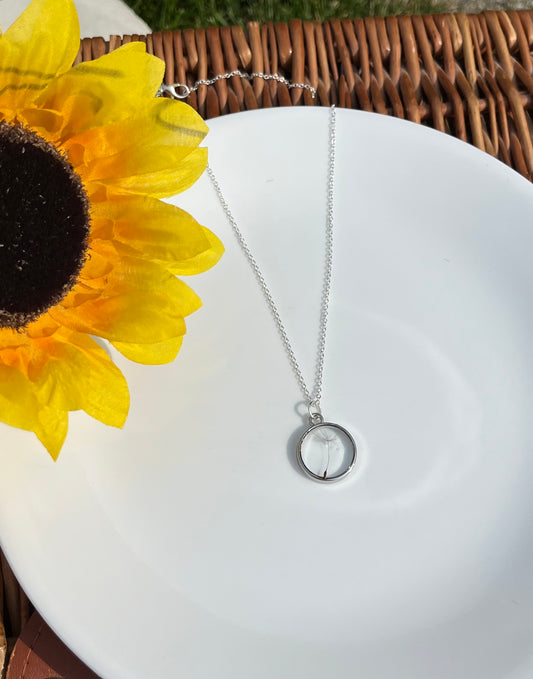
(326, 452)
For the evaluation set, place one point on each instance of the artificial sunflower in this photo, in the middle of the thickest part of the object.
(86, 246)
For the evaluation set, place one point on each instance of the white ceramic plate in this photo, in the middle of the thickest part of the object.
(189, 545)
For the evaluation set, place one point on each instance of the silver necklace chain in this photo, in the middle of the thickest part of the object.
(312, 397)
(330, 438)
(322, 437)
(182, 91)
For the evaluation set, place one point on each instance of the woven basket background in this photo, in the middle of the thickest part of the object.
(468, 75)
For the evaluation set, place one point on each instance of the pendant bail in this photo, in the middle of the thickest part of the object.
(315, 414)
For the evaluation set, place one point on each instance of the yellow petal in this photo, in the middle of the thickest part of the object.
(19, 406)
(44, 326)
(47, 124)
(130, 273)
(113, 148)
(140, 302)
(79, 375)
(96, 266)
(40, 44)
(151, 354)
(52, 429)
(201, 262)
(9, 338)
(165, 175)
(142, 316)
(105, 90)
(159, 231)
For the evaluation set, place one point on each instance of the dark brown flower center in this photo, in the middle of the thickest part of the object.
(44, 226)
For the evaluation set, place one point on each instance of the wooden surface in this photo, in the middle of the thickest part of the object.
(40, 654)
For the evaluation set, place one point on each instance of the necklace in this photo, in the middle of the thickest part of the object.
(182, 91)
(326, 451)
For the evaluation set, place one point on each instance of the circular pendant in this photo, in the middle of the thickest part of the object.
(326, 452)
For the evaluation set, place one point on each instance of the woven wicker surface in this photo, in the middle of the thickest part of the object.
(14, 610)
(468, 75)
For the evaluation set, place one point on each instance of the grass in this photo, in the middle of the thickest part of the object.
(179, 14)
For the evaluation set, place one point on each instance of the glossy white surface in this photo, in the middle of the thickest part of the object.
(189, 544)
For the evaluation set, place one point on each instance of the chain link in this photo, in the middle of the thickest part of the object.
(312, 397)
(182, 91)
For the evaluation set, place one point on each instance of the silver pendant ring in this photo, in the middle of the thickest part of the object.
(314, 432)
